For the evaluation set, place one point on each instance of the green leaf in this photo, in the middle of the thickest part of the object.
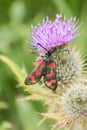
(5, 125)
(28, 118)
(16, 70)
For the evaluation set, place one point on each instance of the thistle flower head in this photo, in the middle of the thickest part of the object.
(74, 102)
(50, 34)
(69, 67)
(68, 104)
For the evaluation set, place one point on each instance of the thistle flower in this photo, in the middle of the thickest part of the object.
(71, 109)
(69, 104)
(69, 68)
(74, 102)
(51, 34)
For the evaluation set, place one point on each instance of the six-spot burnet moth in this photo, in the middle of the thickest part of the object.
(46, 67)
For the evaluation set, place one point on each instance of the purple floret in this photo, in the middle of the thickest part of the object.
(51, 34)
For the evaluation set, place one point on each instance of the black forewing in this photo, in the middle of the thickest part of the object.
(37, 73)
(50, 75)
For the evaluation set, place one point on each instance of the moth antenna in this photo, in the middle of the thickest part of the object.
(42, 46)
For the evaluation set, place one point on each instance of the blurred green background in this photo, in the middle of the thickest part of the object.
(16, 17)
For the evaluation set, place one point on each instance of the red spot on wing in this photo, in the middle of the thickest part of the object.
(52, 65)
(37, 72)
(51, 82)
(41, 63)
(50, 75)
(32, 77)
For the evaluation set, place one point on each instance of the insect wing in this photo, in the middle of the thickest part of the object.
(37, 73)
(50, 76)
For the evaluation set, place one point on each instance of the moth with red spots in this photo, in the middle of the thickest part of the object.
(46, 68)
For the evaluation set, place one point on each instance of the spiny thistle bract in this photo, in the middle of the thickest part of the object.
(70, 100)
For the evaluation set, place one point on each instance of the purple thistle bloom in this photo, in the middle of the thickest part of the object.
(51, 34)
